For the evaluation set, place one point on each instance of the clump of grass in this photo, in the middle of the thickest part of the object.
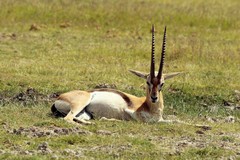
(207, 152)
(227, 139)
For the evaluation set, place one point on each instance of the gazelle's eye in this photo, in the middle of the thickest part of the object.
(148, 83)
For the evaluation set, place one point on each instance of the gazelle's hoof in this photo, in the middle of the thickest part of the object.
(82, 121)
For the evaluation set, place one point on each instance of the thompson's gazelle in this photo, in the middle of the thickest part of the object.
(81, 106)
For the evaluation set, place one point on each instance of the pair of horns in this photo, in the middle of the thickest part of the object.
(152, 69)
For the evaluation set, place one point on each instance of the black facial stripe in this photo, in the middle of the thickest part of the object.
(160, 86)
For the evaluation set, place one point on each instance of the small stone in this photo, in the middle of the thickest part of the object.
(40, 134)
(28, 143)
(104, 132)
(199, 132)
(48, 133)
(106, 85)
(43, 146)
(237, 107)
(25, 152)
(54, 95)
(237, 92)
(55, 156)
(56, 131)
(78, 153)
(204, 127)
(33, 129)
(65, 25)
(84, 132)
(230, 119)
(18, 132)
(48, 151)
(69, 151)
(65, 131)
(13, 35)
(2, 151)
(34, 27)
(210, 119)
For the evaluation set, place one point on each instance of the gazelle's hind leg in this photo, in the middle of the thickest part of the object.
(83, 117)
(78, 100)
(60, 108)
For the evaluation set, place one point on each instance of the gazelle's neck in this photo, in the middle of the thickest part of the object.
(154, 106)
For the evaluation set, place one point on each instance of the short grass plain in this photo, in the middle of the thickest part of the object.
(81, 44)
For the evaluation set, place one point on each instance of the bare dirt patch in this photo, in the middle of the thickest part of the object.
(177, 145)
(30, 96)
(46, 131)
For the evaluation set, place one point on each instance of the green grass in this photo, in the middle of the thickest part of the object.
(127, 140)
(104, 40)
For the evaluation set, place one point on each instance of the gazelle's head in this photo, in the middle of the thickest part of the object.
(155, 80)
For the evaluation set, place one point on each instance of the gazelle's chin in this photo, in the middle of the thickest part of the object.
(154, 101)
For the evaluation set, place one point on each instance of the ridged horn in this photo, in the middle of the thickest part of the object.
(162, 55)
(152, 69)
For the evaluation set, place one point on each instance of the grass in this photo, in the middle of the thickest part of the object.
(127, 140)
(100, 42)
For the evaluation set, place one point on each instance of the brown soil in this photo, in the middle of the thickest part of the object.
(30, 96)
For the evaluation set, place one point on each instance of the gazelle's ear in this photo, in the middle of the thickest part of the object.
(139, 74)
(171, 75)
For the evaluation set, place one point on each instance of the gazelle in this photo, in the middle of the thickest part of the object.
(82, 106)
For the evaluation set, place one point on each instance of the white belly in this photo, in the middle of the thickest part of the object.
(107, 104)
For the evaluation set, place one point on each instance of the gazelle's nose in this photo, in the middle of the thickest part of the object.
(154, 99)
